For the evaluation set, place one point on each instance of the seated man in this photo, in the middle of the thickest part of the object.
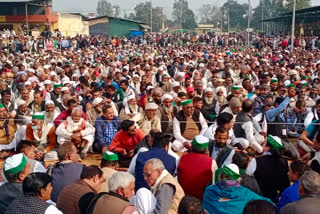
(106, 127)
(71, 104)
(196, 169)
(66, 171)
(51, 112)
(186, 125)
(164, 186)
(125, 140)
(16, 169)
(218, 148)
(167, 113)
(148, 120)
(95, 112)
(27, 148)
(22, 113)
(130, 108)
(7, 131)
(38, 104)
(91, 181)
(109, 164)
(42, 134)
(228, 196)
(296, 118)
(76, 130)
(121, 188)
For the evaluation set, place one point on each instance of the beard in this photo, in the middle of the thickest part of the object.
(133, 108)
(168, 110)
(49, 116)
(313, 95)
(220, 99)
(208, 100)
(98, 109)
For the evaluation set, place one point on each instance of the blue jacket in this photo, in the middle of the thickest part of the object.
(100, 127)
(156, 152)
(236, 196)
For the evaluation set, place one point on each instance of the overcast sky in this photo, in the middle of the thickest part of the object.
(85, 6)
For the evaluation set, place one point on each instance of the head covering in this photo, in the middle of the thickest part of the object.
(275, 142)
(186, 102)
(274, 80)
(175, 84)
(46, 82)
(96, 101)
(20, 102)
(2, 106)
(15, 163)
(130, 97)
(48, 102)
(144, 201)
(235, 102)
(57, 85)
(46, 66)
(64, 88)
(223, 90)
(152, 106)
(150, 87)
(208, 89)
(231, 170)
(293, 72)
(38, 116)
(27, 83)
(52, 73)
(180, 74)
(190, 89)
(200, 142)
(236, 87)
(166, 96)
(110, 156)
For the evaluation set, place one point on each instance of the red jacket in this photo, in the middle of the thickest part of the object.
(195, 173)
(122, 141)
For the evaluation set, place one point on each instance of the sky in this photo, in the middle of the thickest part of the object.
(86, 6)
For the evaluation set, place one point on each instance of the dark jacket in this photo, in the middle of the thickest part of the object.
(242, 117)
(9, 192)
(27, 205)
(156, 152)
(64, 174)
(42, 104)
(307, 204)
(182, 118)
(100, 127)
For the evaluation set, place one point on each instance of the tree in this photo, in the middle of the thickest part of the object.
(105, 8)
(142, 13)
(209, 14)
(182, 15)
(237, 13)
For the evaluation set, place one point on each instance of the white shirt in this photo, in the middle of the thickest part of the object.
(52, 210)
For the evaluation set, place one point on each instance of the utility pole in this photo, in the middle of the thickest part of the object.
(228, 19)
(293, 23)
(249, 14)
(151, 15)
(221, 25)
(27, 19)
(181, 12)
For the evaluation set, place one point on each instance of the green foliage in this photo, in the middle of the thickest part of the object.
(210, 14)
(183, 16)
(237, 15)
(105, 8)
(142, 13)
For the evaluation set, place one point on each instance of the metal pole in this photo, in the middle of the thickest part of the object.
(293, 24)
(181, 11)
(151, 14)
(27, 19)
(249, 14)
(222, 12)
(228, 19)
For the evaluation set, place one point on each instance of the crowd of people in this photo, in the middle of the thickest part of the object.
(183, 124)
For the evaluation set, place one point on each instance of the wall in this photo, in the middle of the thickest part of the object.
(120, 27)
(71, 25)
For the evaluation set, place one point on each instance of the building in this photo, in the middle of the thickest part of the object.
(24, 15)
(204, 28)
(112, 26)
(70, 24)
(307, 22)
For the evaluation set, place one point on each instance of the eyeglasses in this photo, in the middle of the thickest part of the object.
(148, 175)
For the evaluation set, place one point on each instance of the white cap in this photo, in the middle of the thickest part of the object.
(64, 88)
(130, 97)
(180, 74)
(166, 96)
(96, 101)
(20, 102)
(46, 82)
(152, 106)
(31, 70)
(175, 84)
(46, 66)
(15, 163)
(27, 83)
(150, 87)
(52, 73)
(208, 89)
(48, 102)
